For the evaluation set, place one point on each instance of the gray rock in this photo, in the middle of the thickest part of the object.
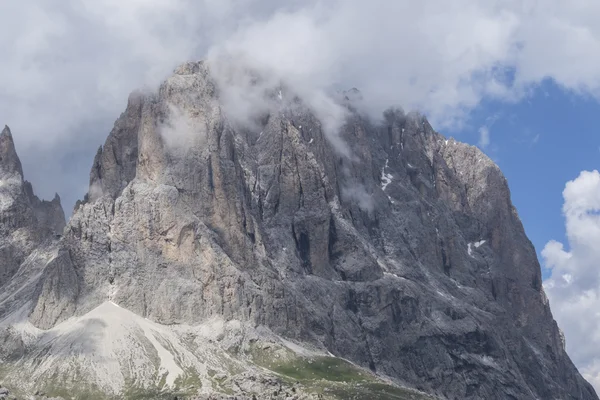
(407, 258)
(10, 164)
(26, 221)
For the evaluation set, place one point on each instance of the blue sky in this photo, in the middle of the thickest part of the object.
(540, 143)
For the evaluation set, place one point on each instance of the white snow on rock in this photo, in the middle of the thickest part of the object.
(476, 245)
(386, 179)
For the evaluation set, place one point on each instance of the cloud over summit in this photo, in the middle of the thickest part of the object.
(67, 67)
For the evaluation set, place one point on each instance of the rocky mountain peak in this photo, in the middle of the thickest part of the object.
(10, 165)
(231, 224)
(27, 223)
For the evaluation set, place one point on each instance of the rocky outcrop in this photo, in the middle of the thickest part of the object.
(10, 164)
(384, 244)
(25, 221)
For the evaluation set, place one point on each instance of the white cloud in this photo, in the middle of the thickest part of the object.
(181, 130)
(359, 194)
(574, 285)
(67, 67)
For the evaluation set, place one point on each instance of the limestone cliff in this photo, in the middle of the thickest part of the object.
(26, 222)
(388, 245)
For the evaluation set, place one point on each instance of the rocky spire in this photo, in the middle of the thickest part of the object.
(9, 160)
(22, 208)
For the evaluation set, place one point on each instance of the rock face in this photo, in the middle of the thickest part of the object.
(26, 222)
(388, 245)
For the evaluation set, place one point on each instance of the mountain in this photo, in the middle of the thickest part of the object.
(27, 224)
(274, 254)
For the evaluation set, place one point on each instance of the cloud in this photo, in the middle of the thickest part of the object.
(181, 130)
(484, 137)
(484, 131)
(574, 284)
(67, 67)
(358, 193)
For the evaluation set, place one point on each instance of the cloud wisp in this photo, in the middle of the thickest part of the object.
(484, 137)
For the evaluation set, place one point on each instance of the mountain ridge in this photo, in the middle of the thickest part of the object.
(381, 243)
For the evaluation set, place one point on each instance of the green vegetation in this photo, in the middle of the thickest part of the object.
(190, 381)
(332, 377)
(326, 368)
(60, 389)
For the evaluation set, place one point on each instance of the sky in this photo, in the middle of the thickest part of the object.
(518, 78)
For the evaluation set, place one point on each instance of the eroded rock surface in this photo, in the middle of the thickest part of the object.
(26, 222)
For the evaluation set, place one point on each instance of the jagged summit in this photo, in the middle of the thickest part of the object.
(6, 132)
(10, 165)
(255, 233)
(26, 222)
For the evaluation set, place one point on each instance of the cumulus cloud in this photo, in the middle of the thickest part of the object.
(574, 284)
(67, 67)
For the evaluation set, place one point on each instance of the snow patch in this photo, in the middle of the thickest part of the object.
(476, 245)
(386, 179)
